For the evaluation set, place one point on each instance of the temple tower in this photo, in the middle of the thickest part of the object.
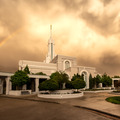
(51, 53)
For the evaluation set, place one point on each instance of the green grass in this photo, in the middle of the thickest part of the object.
(115, 99)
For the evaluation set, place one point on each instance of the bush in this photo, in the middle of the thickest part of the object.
(106, 80)
(77, 76)
(49, 85)
(60, 78)
(69, 85)
(78, 84)
(19, 79)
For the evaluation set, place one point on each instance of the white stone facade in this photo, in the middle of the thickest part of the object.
(60, 63)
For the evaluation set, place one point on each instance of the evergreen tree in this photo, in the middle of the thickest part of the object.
(26, 69)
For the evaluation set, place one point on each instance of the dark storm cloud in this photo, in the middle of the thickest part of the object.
(110, 63)
(100, 23)
(100, 16)
(10, 16)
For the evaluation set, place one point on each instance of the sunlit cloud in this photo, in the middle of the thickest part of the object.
(86, 29)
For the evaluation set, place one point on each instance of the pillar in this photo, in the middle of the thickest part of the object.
(113, 84)
(10, 88)
(24, 87)
(36, 85)
(87, 81)
(100, 85)
(7, 85)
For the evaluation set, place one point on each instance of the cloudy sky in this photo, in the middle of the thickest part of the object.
(86, 29)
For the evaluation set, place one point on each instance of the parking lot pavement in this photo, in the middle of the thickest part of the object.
(15, 109)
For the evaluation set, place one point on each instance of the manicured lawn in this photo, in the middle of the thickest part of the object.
(115, 99)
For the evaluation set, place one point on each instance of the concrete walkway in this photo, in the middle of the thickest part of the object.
(95, 101)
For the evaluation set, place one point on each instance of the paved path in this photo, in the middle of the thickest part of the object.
(15, 109)
(90, 100)
(95, 101)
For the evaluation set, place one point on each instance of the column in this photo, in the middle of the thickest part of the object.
(10, 85)
(7, 85)
(36, 85)
(113, 84)
(100, 85)
(87, 81)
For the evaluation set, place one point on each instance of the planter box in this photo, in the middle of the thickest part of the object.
(19, 92)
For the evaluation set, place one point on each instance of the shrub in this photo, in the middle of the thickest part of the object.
(60, 78)
(78, 84)
(69, 85)
(19, 79)
(49, 85)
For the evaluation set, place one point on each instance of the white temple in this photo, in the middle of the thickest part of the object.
(58, 63)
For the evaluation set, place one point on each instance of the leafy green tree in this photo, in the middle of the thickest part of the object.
(26, 69)
(106, 80)
(77, 76)
(69, 85)
(40, 73)
(19, 79)
(78, 83)
(116, 76)
(60, 77)
(49, 85)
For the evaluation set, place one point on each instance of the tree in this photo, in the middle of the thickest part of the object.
(60, 77)
(116, 76)
(77, 76)
(40, 73)
(78, 83)
(19, 79)
(91, 83)
(106, 80)
(98, 79)
(94, 82)
(26, 69)
(69, 85)
(49, 85)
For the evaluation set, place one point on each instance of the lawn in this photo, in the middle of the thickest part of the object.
(115, 99)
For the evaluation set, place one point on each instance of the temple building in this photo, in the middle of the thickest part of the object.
(54, 63)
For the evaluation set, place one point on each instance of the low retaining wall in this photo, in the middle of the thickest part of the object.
(18, 92)
(61, 96)
(97, 91)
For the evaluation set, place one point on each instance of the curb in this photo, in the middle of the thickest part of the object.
(98, 111)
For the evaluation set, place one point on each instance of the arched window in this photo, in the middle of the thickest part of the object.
(67, 64)
(84, 74)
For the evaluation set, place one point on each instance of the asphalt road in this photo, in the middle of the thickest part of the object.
(14, 109)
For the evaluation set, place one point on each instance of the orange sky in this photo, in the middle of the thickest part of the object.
(86, 29)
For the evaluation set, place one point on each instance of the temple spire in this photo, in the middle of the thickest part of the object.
(51, 53)
(50, 31)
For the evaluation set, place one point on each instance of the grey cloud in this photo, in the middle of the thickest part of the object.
(12, 18)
